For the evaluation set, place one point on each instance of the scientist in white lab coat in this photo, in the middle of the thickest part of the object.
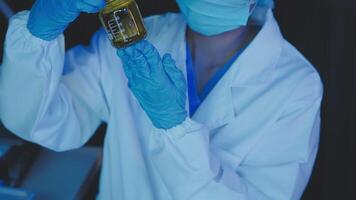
(214, 105)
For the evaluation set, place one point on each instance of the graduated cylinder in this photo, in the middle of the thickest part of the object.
(123, 22)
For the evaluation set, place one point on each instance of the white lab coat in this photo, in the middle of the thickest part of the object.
(254, 137)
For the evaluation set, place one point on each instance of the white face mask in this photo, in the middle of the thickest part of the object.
(212, 17)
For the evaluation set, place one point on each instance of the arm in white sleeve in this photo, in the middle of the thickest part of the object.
(37, 102)
(190, 168)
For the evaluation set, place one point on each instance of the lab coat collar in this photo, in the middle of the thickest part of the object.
(253, 68)
(256, 64)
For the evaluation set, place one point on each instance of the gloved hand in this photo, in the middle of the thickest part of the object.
(49, 18)
(156, 82)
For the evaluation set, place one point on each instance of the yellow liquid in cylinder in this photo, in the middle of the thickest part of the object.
(123, 22)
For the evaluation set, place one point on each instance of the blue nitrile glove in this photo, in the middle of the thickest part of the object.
(49, 18)
(157, 83)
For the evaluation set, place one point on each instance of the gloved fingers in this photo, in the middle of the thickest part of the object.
(90, 6)
(86, 8)
(141, 66)
(126, 63)
(175, 75)
(153, 57)
(98, 3)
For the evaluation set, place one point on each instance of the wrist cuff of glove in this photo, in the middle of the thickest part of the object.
(168, 122)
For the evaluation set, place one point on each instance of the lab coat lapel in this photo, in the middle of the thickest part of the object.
(217, 109)
(254, 68)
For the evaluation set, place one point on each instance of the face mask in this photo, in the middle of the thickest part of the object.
(212, 17)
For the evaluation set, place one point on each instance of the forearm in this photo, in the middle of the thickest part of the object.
(29, 76)
(38, 103)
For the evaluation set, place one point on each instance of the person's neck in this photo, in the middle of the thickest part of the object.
(215, 51)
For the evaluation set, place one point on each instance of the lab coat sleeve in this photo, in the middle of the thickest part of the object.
(190, 168)
(39, 104)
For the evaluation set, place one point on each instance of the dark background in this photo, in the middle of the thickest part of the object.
(324, 31)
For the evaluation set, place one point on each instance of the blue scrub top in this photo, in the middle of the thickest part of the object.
(196, 98)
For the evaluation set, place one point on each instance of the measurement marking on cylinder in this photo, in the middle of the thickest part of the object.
(116, 27)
